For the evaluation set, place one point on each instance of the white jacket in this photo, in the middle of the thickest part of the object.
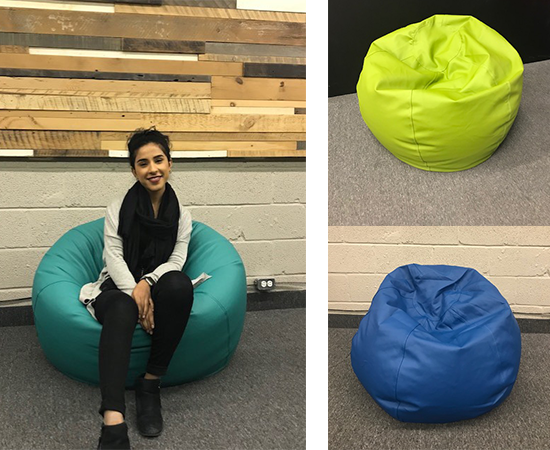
(115, 266)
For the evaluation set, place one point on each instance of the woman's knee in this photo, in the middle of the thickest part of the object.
(123, 307)
(176, 285)
(176, 281)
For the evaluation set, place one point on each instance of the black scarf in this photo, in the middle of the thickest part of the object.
(148, 242)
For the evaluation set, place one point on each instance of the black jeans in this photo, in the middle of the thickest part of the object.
(118, 313)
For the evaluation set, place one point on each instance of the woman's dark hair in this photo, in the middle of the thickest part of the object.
(144, 136)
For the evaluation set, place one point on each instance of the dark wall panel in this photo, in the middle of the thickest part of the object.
(355, 24)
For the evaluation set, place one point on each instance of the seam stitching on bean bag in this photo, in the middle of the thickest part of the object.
(399, 370)
(414, 133)
(227, 323)
(51, 284)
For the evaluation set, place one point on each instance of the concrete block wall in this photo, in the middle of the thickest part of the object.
(259, 206)
(515, 259)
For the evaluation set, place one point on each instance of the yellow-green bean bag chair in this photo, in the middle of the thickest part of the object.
(442, 94)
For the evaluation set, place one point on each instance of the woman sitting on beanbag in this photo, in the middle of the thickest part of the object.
(147, 233)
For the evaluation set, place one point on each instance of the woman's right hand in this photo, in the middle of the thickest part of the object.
(142, 296)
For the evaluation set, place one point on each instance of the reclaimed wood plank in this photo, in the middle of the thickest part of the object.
(159, 45)
(274, 70)
(103, 88)
(246, 110)
(177, 155)
(13, 49)
(91, 103)
(219, 13)
(273, 5)
(266, 153)
(46, 139)
(110, 121)
(300, 111)
(90, 140)
(78, 152)
(112, 54)
(136, 76)
(241, 88)
(16, 153)
(301, 145)
(200, 154)
(253, 59)
(212, 145)
(259, 103)
(143, 26)
(231, 48)
(58, 5)
(61, 41)
(136, 2)
(203, 3)
(85, 64)
(211, 136)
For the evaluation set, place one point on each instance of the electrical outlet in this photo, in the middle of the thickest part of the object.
(265, 284)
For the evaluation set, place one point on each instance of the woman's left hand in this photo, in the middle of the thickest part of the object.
(148, 322)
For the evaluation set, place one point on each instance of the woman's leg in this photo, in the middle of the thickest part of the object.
(118, 313)
(173, 299)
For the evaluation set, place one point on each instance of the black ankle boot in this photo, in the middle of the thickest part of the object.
(114, 437)
(149, 418)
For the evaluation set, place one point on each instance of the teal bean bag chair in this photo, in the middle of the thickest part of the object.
(442, 94)
(69, 335)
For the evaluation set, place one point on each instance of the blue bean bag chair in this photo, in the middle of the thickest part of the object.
(69, 335)
(439, 344)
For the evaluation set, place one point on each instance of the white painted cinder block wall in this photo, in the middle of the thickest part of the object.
(515, 259)
(259, 206)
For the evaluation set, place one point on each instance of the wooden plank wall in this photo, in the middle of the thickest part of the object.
(224, 78)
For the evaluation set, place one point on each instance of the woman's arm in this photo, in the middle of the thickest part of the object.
(114, 254)
(179, 254)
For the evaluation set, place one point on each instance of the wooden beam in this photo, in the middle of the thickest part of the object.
(231, 48)
(87, 64)
(252, 59)
(104, 88)
(241, 88)
(85, 140)
(91, 140)
(209, 136)
(143, 26)
(259, 103)
(274, 70)
(109, 121)
(61, 41)
(122, 104)
(159, 45)
(266, 153)
(246, 110)
(212, 145)
(58, 5)
(13, 49)
(203, 3)
(112, 54)
(217, 13)
(138, 76)
(273, 5)
(70, 153)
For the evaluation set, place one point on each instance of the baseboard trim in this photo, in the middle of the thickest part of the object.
(13, 316)
(352, 321)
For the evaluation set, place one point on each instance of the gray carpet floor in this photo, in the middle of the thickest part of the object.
(257, 402)
(520, 422)
(367, 185)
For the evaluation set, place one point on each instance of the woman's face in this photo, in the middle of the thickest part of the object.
(152, 168)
